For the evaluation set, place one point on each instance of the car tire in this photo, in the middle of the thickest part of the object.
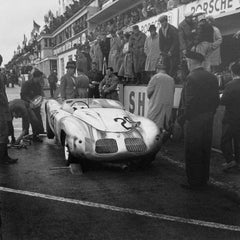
(69, 158)
(50, 133)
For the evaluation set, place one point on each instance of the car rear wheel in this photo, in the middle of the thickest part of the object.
(50, 133)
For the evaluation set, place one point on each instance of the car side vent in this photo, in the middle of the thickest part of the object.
(107, 145)
(135, 145)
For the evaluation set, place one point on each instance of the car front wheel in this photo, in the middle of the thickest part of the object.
(69, 158)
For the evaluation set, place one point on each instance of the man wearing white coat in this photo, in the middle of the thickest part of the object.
(160, 91)
(152, 51)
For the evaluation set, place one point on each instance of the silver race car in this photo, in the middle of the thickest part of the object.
(101, 130)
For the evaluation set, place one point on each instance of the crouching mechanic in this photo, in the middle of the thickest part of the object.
(20, 109)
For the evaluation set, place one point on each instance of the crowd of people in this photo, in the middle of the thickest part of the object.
(133, 54)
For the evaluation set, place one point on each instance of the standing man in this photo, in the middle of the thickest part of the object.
(151, 49)
(82, 83)
(230, 141)
(186, 33)
(136, 47)
(30, 90)
(52, 79)
(201, 101)
(215, 56)
(160, 91)
(95, 77)
(68, 85)
(108, 86)
(4, 118)
(169, 45)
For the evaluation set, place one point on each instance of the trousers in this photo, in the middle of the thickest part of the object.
(230, 142)
(198, 141)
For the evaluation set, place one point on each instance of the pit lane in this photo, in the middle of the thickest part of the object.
(155, 191)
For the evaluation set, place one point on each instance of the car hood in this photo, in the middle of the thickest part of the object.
(106, 119)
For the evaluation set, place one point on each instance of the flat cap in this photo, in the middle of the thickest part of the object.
(71, 64)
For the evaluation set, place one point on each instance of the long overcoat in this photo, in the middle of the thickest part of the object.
(160, 91)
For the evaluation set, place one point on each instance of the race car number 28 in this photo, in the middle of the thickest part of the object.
(124, 122)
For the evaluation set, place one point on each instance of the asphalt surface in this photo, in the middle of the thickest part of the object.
(41, 199)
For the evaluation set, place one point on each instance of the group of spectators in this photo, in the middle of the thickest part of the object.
(144, 10)
(133, 55)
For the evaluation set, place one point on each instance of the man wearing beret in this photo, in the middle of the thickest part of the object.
(29, 91)
(68, 86)
(201, 99)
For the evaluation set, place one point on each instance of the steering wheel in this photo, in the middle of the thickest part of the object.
(79, 102)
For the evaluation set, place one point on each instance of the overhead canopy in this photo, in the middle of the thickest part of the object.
(112, 9)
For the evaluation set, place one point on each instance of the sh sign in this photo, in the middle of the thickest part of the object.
(213, 7)
(135, 100)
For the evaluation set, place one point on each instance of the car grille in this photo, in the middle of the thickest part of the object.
(108, 145)
(135, 145)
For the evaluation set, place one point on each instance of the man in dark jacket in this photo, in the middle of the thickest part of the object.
(201, 100)
(95, 77)
(30, 90)
(52, 79)
(169, 45)
(186, 30)
(4, 118)
(231, 120)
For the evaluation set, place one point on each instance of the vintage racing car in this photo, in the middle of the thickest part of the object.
(101, 130)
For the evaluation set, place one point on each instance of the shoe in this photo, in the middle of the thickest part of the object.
(193, 187)
(229, 165)
(37, 139)
(9, 160)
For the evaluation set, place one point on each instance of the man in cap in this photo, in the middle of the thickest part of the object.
(230, 141)
(160, 92)
(169, 45)
(30, 90)
(52, 79)
(151, 49)
(136, 47)
(4, 118)
(68, 86)
(200, 103)
(186, 31)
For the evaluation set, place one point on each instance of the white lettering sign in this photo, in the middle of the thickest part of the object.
(213, 7)
(135, 99)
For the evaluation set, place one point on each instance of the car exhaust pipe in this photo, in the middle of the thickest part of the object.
(122, 166)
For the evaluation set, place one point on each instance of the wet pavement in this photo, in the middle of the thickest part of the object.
(42, 199)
